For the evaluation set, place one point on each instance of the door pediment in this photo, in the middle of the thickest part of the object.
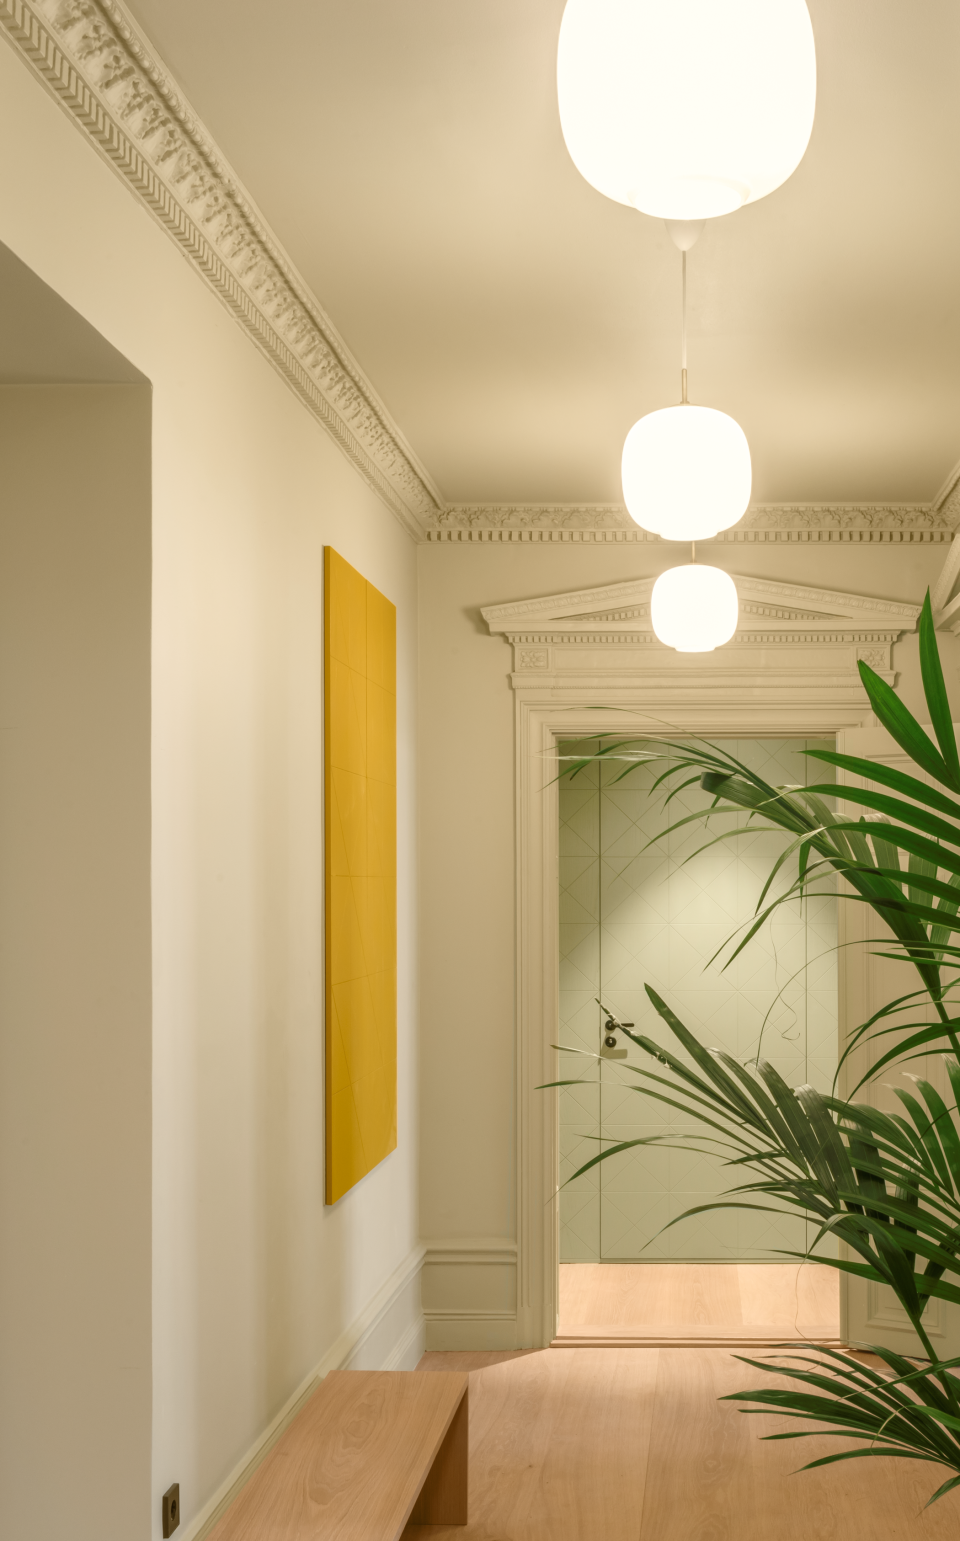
(790, 638)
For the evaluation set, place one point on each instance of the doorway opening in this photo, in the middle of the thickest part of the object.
(75, 917)
(639, 906)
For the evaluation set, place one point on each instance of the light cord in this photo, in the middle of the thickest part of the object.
(683, 330)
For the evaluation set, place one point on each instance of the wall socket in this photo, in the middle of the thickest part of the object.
(171, 1509)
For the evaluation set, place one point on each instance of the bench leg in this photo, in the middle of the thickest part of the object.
(443, 1497)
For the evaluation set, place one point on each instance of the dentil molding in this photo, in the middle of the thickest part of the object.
(102, 70)
(882, 523)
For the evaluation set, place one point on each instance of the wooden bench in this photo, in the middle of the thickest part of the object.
(370, 1451)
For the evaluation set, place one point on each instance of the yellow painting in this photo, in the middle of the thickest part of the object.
(360, 816)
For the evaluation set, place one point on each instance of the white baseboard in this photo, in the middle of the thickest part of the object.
(449, 1330)
(410, 1349)
(470, 1293)
(389, 1334)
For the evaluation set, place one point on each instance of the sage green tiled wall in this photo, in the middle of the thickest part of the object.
(632, 915)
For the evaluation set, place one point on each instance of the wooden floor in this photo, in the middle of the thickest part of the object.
(631, 1444)
(701, 1304)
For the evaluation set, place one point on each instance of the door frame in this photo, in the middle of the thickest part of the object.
(539, 726)
(864, 985)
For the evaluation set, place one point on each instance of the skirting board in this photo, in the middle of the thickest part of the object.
(387, 1335)
(464, 1330)
(470, 1294)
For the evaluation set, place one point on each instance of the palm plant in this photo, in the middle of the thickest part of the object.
(887, 1185)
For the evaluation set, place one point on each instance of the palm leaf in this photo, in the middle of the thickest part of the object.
(888, 776)
(904, 728)
(908, 1413)
(935, 691)
(886, 1184)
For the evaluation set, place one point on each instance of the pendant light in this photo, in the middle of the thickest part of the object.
(694, 608)
(686, 470)
(686, 475)
(686, 109)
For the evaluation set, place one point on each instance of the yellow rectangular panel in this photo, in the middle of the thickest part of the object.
(360, 817)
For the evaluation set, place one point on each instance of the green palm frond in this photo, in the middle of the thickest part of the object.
(888, 1185)
(908, 1412)
(885, 1184)
(901, 856)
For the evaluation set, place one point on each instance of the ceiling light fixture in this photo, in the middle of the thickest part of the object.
(694, 608)
(686, 111)
(686, 470)
(686, 476)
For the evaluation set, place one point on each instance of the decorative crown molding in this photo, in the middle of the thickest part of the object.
(530, 516)
(105, 74)
(102, 70)
(889, 523)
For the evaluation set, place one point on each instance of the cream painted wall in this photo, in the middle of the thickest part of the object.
(254, 1281)
(467, 859)
(75, 961)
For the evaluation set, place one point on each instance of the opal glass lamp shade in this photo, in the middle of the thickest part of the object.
(686, 472)
(694, 608)
(686, 109)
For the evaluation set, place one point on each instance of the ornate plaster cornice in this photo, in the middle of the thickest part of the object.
(105, 74)
(103, 71)
(533, 516)
(886, 523)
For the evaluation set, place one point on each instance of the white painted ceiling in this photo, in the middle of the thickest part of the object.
(409, 157)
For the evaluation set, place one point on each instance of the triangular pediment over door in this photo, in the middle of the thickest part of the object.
(600, 641)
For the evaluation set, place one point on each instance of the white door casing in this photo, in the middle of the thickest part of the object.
(588, 663)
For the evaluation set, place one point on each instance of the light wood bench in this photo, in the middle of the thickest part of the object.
(370, 1451)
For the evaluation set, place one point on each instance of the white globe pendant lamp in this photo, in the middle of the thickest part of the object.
(686, 109)
(686, 472)
(694, 609)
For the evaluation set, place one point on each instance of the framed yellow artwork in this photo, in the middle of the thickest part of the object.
(360, 826)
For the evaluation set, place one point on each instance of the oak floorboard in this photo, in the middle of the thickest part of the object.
(711, 1479)
(796, 1295)
(652, 1294)
(648, 1303)
(561, 1449)
(558, 1445)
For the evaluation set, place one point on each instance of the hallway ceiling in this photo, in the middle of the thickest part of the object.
(516, 323)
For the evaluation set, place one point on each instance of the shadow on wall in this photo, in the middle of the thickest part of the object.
(75, 967)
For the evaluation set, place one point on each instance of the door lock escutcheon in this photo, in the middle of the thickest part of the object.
(610, 1048)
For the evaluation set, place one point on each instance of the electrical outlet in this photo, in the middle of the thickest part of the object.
(171, 1509)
